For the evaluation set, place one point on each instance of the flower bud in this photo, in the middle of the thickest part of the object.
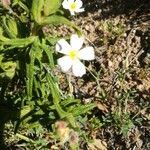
(73, 139)
(62, 131)
(5, 3)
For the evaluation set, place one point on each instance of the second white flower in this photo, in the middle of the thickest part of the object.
(73, 54)
(74, 6)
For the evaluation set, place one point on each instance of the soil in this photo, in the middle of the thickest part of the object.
(118, 80)
(120, 33)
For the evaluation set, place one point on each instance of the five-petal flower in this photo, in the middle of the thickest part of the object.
(73, 54)
(74, 6)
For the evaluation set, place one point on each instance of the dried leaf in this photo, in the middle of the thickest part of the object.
(101, 106)
(97, 145)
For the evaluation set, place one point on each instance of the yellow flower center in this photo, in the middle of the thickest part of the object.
(73, 54)
(73, 6)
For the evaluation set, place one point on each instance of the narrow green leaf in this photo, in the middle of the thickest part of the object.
(22, 5)
(30, 72)
(57, 20)
(56, 96)
(52, 40)
(69, 101)
(36, 87)
(2, 37)
(25, 138)
(9, 68)
(37, 7)
(56, 100)
(49, 54)
(82, 109)
(19, 42)
(51, 6)
(10, 27)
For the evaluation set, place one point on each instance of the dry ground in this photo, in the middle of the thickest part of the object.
(118, 80)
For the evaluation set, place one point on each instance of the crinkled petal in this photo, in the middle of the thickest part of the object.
(72, 13)
(63, 46)
(64, 63)
(76, 42)
(87, 53)
(79, 3)
(71, 1)
(80, 10)
(65, 4)
(78, 68)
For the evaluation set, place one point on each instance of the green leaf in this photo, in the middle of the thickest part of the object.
(25, 110)
(2, 38)
(21, 4)
(8, 68)
(56, 100)
(25, 138)
(57, 20)
(30, 71)
(10, 27)
(18, 42)
(55, 95)
(37, 7)
(52, 40)
(51, 6)
(49, 53)
(36, 87)
(82, 109)
(70, 101)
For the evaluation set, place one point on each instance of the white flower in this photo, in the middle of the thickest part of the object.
(73, 55)
(73, 6)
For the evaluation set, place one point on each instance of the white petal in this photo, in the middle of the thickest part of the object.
(76, 42)
(72, 13)
(80, 10)
(78, 68)
(87, 53)
(71, 1)
(79, 3)
(63, 46)
(65, 63)
(65, 4)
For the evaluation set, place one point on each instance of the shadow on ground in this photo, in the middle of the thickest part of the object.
(136, 10)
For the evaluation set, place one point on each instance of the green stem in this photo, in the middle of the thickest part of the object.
(56, 97)
(70, 85)
(97, 81)
(56, 100)
(24, 138)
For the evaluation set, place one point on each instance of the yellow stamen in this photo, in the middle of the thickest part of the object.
(73, 6)
(73, 54)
